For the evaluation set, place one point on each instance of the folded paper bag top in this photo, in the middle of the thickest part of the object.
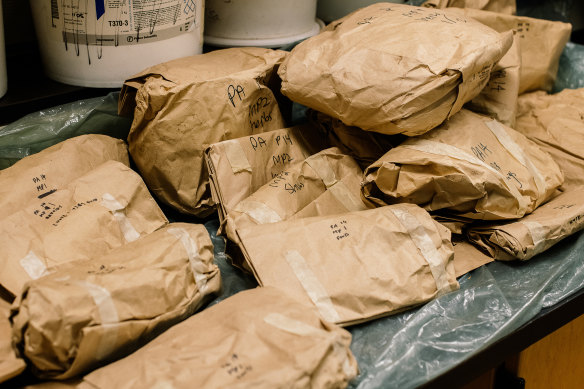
(356, 266)
(393, 68)
(472, 167)
(99, 211)
(534, 233)
(10, 364)
(238, 167)
(88, 312)
(182, 106)
(55, 167)
(258, 338)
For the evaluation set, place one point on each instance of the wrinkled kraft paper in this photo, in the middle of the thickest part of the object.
(472, 166)
(10, 364)
(535, 233)
(467, 257)
(182, 106)
(296, 190)
(239, 167)
(87, 312)
(556, 124)
(500, 6)
(356, 266)
(259, 338)
(393, 68)
(101, 210)
(55, 167)
(498, 99)
(541, 45)
(365, 147)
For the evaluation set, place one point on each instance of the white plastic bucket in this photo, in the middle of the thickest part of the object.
(329, 10)
(101, 43)
(3, 75)
(263, 23)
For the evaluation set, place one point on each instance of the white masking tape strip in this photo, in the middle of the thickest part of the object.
(323, 168)
(296, 327)
(33, 266)
(197, 266)
(424, 243)
(258, 211)
(539, 235)
(438, 148)
(517, 152)
(117, 209)
(236, 156)
(312, 286)
(108, 315)
(345, 197)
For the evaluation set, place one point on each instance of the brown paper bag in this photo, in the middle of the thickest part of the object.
(104, 209)
(10, 364)
(365, 147)
(296, 190)
(536, 232)
(472, 166)
(501, 6)
(238, 167)
(55, 167)
(393, 68)
(356, 266)
(467, 257)
(556, 124)
(541, 44)
(258, 338)
(86, 313)
(498, 99)
(183, 106)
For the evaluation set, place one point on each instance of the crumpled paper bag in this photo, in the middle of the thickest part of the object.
(536, 232)
(258, 338)
(296, 190)
(498, 99)
(55, 167)
(541, 45)
(556, 123)
(356, 266)
(238, 167)
(501, 6)
(472, 167)
(182, 106)
(365, 147)
(10, 364)
(467, 257)
(86, 313)
(99, 211)
(393, 68)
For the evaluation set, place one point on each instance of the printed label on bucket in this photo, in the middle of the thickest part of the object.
(122, 22)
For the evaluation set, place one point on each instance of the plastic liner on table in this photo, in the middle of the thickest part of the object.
(39, 130)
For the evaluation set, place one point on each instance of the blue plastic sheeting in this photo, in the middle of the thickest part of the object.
(410, 348)
(571, 69)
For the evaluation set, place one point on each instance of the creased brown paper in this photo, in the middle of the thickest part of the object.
(393, 68)
(10, 364)
(536, 232)
(182, 106)
(325, 183)
(472, 167)
(498, 99)
(556, 123)
(55, 167)
(356, 266)
(89, 312)
(365, 147)
(101, 210)
(500, 6)
(238, 167)
(259, 338)
(541, 43)
(467, 257)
